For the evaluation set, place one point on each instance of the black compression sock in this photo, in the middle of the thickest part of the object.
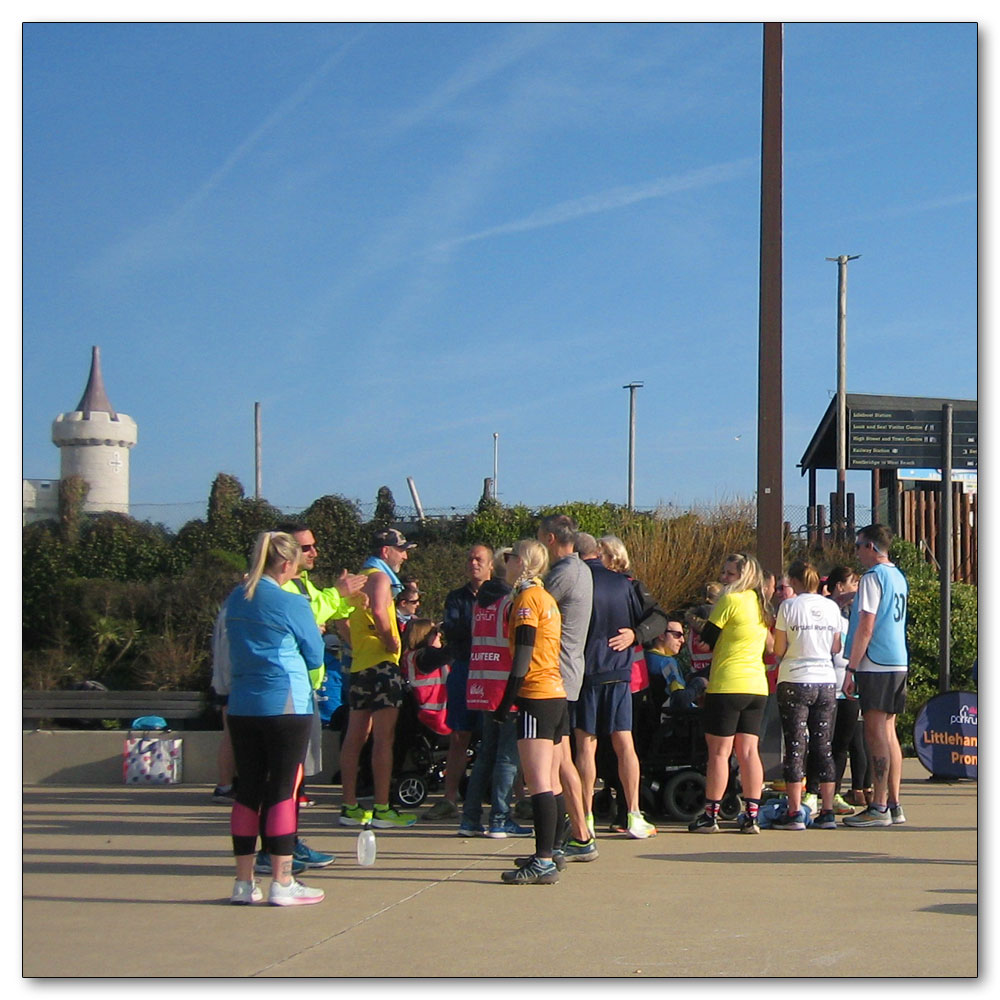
(543, 809)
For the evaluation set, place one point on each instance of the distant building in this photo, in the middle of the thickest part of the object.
(39, 500)
(94, 442)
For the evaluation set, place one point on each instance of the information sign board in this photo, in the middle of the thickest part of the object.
(891, 438)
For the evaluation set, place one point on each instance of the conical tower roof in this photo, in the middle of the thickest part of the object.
(94, 398)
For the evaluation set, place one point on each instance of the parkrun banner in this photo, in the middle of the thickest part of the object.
(945, 735)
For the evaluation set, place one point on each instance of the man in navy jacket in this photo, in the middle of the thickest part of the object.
(605, 705)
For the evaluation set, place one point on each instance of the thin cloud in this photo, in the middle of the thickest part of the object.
(471, 74)
(165, 238)
(280, 113)
(931, 205)
(606, 201)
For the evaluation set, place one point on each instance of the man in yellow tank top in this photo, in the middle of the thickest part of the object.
(376, 691)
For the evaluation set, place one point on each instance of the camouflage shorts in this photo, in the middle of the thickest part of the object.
(377, 687)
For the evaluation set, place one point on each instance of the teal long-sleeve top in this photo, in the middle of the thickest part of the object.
(273, 644)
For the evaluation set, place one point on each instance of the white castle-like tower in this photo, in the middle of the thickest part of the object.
(94, 443)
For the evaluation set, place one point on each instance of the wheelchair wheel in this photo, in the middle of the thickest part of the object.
(411, 790)
(731, 806)
(684, 795)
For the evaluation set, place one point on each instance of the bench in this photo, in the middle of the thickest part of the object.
(122, 705)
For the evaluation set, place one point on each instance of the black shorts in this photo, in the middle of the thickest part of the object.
(881, 692)
(542, 719)
(728, 714)
(377, 687)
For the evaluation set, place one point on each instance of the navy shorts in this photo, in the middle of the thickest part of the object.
(604, 709)
(457, 716)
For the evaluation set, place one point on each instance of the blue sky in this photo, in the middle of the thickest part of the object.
(402, 238)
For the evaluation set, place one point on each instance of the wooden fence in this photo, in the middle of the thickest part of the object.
(919, 523)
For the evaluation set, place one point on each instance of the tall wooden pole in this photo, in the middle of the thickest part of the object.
(769, 363)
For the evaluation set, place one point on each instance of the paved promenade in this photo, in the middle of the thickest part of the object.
(100, 862)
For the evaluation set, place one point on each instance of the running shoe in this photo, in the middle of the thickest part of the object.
(896, 812)
(262, 866)
(224, 794)
(869, 817)
(841, 806)
(638, 828)
(310, 858)
(748, 823)
(294, 894)
(826, 820)
(703, 823)
(500, 828)
(789, 821)
(538, 871)
(558, 859)
(386, 818)
(245, 893)
(811, 802)
(305, 801)
(575, 850)
(467, 829)
(590, 824)
(352, 815)
(442, 810)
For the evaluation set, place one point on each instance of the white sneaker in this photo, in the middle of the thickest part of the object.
(294, 894)
(638, 828)
(245, 893)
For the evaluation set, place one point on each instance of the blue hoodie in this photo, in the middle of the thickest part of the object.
(616, 606)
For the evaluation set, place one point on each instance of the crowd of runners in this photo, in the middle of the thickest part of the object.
(548, 653)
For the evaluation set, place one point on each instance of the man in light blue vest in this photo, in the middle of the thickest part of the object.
(878, 663)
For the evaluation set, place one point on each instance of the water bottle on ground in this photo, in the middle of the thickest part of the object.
(366, 842)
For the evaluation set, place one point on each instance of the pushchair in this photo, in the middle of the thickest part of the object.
(674, 764)
(419, 758)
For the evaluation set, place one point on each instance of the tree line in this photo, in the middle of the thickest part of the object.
(131, 604)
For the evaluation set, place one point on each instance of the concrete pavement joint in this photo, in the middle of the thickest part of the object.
(377, 913)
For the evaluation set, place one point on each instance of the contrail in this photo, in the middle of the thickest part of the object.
(605, 201)
(281, 112)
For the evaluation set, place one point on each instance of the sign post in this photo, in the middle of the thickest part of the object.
(944, 549)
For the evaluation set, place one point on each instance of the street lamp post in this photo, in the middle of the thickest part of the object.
(840, 531)
(632, 386)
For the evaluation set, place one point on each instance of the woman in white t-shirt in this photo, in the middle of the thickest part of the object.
(807, 634)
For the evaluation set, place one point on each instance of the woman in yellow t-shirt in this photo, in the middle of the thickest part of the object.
(535, 686)
(738, 632)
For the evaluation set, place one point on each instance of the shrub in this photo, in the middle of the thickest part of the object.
(676, 556)
(335, 521)
(923, 629)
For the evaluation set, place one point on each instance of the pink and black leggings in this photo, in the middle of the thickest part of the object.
(269, 751)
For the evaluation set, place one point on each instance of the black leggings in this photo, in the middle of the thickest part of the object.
(807, 720)
(269, 751)
(848, 739)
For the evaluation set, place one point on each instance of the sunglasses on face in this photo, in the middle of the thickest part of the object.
(675, 633)
(309, 548)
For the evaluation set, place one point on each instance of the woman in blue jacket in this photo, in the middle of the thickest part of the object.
(276, 652)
